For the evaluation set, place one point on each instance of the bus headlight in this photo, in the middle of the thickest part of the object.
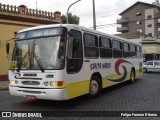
(52, 83)
(58, 84)
(11, 82)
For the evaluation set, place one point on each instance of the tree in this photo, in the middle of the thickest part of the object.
(72, 19)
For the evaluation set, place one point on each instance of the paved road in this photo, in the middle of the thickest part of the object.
(142, 95)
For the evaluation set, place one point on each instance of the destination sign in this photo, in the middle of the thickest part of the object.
(39, 33)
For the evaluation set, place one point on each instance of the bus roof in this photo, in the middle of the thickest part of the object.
(77, 27)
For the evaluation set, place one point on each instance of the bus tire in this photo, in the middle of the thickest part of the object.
(94, 87)
(132, 76)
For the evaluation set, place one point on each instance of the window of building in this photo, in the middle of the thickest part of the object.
(149, 25)
(105, 47)
(139, 30)
(149, 17)
(158, 25)
(150, 34)
(139, 22)
(138, 14)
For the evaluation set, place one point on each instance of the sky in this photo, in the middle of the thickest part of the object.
(107, 11)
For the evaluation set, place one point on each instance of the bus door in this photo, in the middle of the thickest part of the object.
(75, 71)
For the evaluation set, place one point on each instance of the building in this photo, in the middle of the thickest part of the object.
(13, 19)
(142, 20)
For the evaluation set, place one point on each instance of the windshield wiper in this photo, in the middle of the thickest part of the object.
(39, 63)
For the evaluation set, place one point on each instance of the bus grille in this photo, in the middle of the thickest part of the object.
(30, 83)
(31, 92)
(30, 75)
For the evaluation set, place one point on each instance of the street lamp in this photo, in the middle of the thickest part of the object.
(69, 8)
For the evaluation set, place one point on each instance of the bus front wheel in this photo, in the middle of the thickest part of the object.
(94, 87)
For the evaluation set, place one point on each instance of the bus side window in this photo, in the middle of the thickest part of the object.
(91, 46)
(117, 49)
(105, 47)
(133, 51)
(126, 50)
(75, 54)
(138, 52)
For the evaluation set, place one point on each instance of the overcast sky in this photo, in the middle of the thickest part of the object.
(106, 10)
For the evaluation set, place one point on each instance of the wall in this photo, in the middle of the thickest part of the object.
(13, 19)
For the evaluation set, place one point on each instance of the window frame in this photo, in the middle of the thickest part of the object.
(117, 50)
(138, 13)
(73, 60)
(107, 48)
(133, 51)
(126, 51)
(91, 47)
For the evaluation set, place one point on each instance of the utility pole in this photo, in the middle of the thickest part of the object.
(69, 8)
(36, 5)
(94, 16)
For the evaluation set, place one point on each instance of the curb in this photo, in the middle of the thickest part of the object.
(3, 87)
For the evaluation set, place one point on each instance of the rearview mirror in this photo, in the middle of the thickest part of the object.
(7, 48)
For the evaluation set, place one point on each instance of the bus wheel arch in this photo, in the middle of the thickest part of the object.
(95, 85)
(132, 75)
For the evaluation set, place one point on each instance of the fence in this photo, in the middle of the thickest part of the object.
(23, 10)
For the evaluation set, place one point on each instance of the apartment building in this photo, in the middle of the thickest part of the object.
(142, 21)
(141, 18)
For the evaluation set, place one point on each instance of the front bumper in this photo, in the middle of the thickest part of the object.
(48, 94)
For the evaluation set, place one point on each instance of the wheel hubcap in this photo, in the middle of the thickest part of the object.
(93, 87)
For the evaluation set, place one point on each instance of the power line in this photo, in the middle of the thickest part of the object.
(115, 24)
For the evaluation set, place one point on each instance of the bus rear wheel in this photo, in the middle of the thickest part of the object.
(94, 87)
(132, 76)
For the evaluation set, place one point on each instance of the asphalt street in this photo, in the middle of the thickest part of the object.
(142, 95)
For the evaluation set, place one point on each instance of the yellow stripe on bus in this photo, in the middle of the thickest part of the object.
(82, 87)
(77, 88)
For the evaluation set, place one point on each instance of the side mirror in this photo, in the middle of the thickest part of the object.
(7, 48)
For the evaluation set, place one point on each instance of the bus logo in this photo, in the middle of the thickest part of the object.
(17, 75)
(117, 65)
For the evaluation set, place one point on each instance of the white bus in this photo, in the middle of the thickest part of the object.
(63, 61)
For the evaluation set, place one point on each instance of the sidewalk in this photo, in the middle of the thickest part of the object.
(4, 85)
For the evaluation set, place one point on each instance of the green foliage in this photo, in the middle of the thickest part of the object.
(72, 19)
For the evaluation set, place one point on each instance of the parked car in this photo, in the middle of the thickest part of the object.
(151, 66)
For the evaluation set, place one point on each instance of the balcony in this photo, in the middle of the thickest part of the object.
(122, 20)
(122, 29)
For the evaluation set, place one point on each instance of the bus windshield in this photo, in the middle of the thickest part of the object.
(40, 53)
